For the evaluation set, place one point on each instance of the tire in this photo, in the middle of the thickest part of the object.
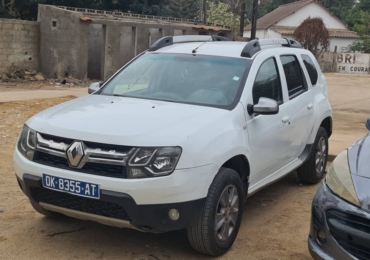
(203, 236)
(45, 212)
(310, 172)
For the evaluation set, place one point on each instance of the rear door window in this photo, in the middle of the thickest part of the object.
(311, 69)
(293, 75)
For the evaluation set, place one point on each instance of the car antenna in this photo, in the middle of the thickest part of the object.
(195, 50)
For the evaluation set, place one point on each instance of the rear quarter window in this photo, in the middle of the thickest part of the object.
(311, 68)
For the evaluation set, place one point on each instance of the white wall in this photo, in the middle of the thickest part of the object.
(311, 10)
(340, 43)
(354, 63)
(263, 34)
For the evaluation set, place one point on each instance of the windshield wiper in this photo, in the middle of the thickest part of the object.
(118, 95)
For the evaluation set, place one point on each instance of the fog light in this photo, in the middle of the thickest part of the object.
(321, 235)
(174, 214)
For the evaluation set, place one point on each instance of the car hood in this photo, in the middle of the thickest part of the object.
(124, 121)
(359, 162)
(359, 157)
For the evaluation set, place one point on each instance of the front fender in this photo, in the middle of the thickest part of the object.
(217, 142)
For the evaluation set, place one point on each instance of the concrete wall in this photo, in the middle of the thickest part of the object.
(96, 51)
(64, 43)
(99, 46)
(19, 44)
(133, 38)
(353, 63)
(312, 10)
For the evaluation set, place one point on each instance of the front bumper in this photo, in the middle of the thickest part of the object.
(346, 228)
(145, 201)
(113, 208)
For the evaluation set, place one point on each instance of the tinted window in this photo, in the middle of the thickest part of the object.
(202, 80)
(311, 68)
(293, 74)
(267, 82)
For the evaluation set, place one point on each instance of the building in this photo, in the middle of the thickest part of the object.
(282, 22)
(82, 43)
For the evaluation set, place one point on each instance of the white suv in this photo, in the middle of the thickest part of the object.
(180, 137)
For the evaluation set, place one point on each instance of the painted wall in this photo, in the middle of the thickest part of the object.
(19, 44)
(341, 43)
(263, 34)
(312, 10)
(353, 63)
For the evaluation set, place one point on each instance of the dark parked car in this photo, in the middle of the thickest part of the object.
(340, 226)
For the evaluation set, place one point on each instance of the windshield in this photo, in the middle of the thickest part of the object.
(192, 79)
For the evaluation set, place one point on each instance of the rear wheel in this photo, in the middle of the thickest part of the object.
(45, 212)
(314, 169)
(217, 226)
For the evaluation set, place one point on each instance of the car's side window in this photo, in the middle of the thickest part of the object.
(311, 68)
(293, 75)
(267, 83)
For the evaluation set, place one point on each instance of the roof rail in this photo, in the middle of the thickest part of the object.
(170, 40)
(254, 46)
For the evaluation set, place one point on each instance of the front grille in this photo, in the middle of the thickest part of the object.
(106, 170)
(86, 205)
(351, 232)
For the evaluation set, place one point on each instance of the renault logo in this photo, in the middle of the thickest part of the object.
(75, 153)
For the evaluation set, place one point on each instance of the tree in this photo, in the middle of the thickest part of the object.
(340, 8)
(359, 20)
(313, 35)
(234, 8)
(219, 13)
(187, 9)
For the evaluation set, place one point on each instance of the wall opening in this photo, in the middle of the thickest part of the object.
(54, 24)
(96, 51)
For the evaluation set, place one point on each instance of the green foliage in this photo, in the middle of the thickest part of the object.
(187, 9)
(358, 19)
(219, 13)
(340, 8)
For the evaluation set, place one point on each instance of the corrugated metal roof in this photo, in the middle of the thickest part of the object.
(332, 32)
(279, 13)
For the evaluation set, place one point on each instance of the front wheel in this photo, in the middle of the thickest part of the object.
(217, 226)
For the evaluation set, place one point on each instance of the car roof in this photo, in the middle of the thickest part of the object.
(217, 48)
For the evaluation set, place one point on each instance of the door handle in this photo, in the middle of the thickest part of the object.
(286, 120)
(310, 106)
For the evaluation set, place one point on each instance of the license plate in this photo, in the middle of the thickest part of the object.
(79, 188)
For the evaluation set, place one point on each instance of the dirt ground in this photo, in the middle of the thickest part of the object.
(275, 224)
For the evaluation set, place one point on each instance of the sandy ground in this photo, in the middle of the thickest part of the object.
(275, 224)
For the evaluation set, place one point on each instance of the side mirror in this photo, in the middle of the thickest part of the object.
(368, 124)
(94, 87)
(265, 106)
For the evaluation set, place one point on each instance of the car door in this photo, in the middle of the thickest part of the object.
(268, 135)
(301, 104)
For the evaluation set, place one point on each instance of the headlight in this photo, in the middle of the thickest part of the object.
(153, 162)
(339, 179)
(27, 142)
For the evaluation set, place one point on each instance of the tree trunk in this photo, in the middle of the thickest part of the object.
(3, 3)
(234, 26)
